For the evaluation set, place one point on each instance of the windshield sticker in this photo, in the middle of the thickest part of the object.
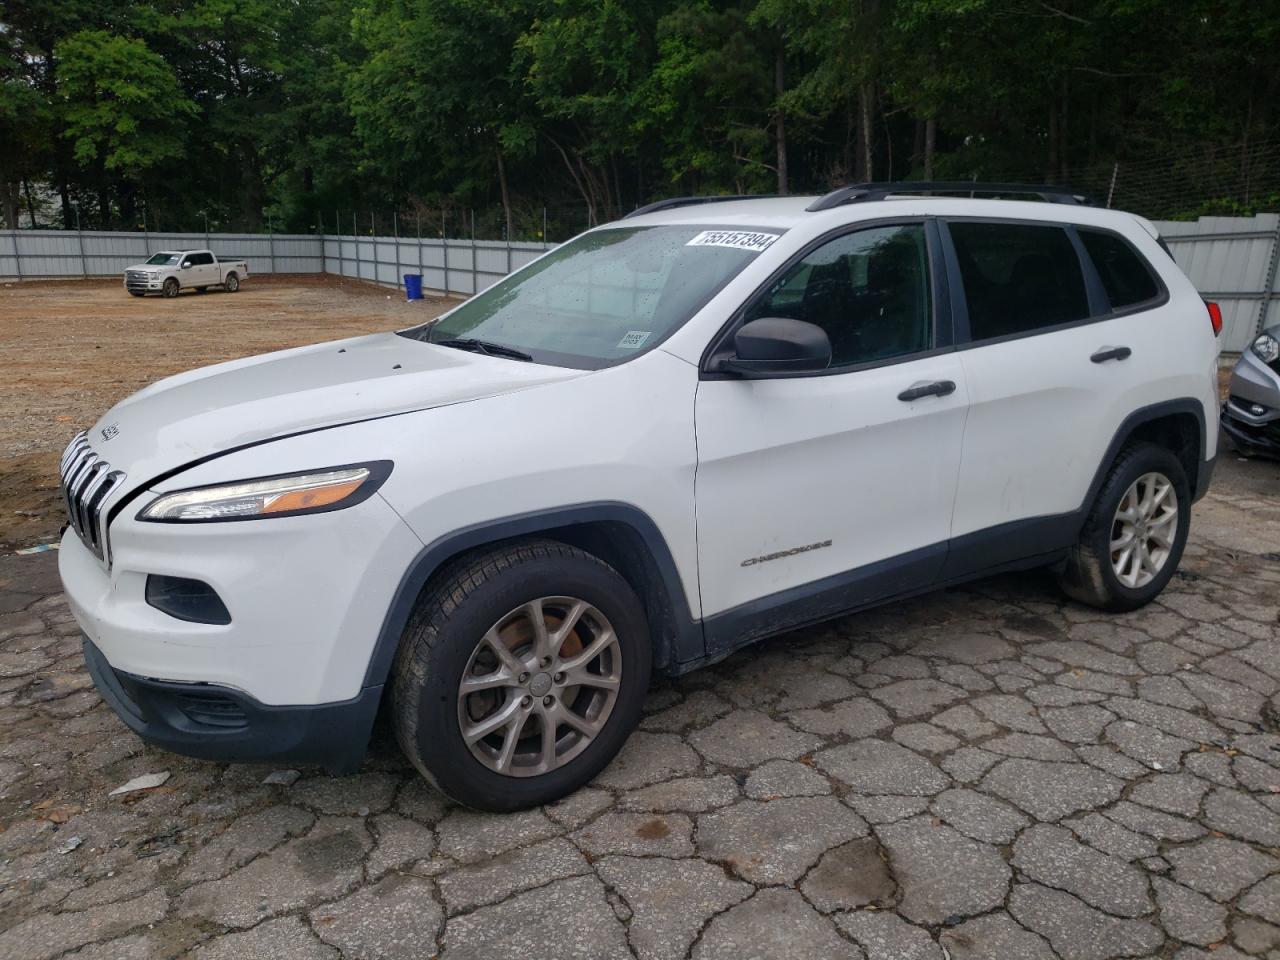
(737, 239)
(633, 339)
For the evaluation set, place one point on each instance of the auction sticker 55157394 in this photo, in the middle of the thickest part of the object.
(737, 239)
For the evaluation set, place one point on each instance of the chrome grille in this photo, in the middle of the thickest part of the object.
(87, 482)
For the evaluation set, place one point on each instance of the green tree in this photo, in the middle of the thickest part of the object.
(252, 110)
(122, 107)
(26, 122)
(710, 100)
(586, 63)
(438, 99)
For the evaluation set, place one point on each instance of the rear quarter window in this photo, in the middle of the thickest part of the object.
(1018, 278)
(1124, 273)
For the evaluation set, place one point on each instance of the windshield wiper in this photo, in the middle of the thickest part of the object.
(483, 346)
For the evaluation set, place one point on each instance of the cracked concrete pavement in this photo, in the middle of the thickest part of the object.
(987, 772)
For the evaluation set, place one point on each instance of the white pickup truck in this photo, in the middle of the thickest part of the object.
(169, 272)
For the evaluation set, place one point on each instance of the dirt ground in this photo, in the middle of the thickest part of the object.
(71, 349)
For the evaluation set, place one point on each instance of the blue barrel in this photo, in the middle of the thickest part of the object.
(413, 286)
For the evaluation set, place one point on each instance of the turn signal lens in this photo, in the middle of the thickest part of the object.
(275, 496)
(312, 498)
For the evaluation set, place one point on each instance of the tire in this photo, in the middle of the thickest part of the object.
(170, 288)
(1114, 580)
(231, 284)
(447, 640)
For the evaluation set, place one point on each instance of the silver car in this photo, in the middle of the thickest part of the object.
(1251, 415)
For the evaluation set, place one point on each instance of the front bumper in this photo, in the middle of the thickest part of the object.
(220, 723)
(306, 596)
(1249, 433)
(1251, 415)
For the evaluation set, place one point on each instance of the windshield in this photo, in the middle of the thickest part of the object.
(163, 259)
(603, 297)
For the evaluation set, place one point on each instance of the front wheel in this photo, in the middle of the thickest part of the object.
(170, 288)
(1133, 538)
(520, 675)
(232, 283)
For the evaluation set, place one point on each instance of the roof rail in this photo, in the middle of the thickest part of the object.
(673, 202)
(865, 192)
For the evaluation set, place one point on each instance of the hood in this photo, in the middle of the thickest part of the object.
(219, 408)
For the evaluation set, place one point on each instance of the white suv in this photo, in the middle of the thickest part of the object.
(671, 436)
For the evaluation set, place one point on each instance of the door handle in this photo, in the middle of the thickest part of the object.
(935, 388)
(1111, 353)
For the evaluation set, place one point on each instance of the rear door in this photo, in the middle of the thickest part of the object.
(819, 492)
(1055, 359)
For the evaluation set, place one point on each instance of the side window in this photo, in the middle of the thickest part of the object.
(1125, 276)
(869, 290)
(1018, 278)
(203, 259)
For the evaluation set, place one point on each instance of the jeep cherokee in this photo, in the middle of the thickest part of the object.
(704, 424)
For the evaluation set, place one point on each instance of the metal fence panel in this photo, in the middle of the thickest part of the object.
(28, 254)
(1232, 261)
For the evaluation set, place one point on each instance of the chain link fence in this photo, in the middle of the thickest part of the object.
(1230, 180)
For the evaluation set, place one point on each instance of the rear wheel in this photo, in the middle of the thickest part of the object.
(1133, 538)
(232, 283)
(170, 288)
(520, 675)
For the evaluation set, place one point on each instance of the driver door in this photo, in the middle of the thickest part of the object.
(817, 493)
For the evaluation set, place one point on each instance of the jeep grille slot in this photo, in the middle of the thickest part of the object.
(87, 482)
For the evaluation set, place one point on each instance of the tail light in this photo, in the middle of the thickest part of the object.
(1215, 316)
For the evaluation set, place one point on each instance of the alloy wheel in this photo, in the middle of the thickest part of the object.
(540, 686)
(1144, 529)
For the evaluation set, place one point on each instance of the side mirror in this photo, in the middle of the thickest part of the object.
(185, 264)
(779, 345)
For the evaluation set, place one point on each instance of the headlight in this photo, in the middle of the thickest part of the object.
(1267, 347)
(285, 496)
